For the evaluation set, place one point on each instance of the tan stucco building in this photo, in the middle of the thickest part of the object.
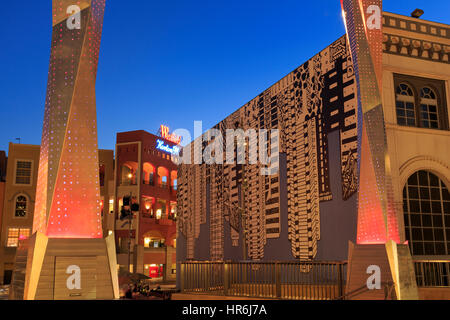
(18, 207)
(416, 78)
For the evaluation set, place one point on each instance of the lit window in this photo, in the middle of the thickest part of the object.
(428, 108)
(16, 234)
(111, 205)
(406, 115)
(426, 207)
(175, 184)
(153, 242)
(163, 181)
(23, 172)
(21, 207)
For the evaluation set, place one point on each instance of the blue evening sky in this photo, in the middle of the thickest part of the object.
(171, 62)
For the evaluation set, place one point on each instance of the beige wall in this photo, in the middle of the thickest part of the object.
(17, 152)
(412, 149)
(106, 157)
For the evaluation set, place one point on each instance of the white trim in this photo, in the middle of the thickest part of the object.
(27, 208)
(424, 163)
(31, 172)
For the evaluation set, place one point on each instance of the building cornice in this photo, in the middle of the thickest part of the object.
(416, 48)
(400, 22)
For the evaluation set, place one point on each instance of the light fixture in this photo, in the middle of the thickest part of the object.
(417, 13)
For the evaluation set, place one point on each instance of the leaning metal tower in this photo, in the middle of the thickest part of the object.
(67, 257)
(68, 193)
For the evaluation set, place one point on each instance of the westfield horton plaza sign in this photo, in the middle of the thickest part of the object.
(172, 137)
(160, 145)
(164, 132)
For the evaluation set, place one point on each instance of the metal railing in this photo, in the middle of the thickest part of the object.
(282, 280)
(432, 273)
(388, 287)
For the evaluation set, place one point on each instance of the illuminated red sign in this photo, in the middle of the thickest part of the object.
(165, 133)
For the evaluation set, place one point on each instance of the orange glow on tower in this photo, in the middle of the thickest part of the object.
(68, 193)
(377, 220)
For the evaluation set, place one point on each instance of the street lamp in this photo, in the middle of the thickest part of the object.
(127, 212)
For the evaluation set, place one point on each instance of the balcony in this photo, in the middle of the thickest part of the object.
(148, 218)
(127, 183)
(165, 222)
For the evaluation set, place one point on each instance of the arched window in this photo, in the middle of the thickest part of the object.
(129, 171)
(163, 174)
(429, 108)
(149, 173)
(426, 206)
(406, 115)
(21, 206)
(174, 180)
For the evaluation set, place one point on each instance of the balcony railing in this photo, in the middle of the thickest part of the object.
(163, 218)
(432, 273)
(285, 280)
(172, 189)
(127, 183)
(148, 182)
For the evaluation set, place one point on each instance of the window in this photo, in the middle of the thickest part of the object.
(420, 102)
(405, 106)
(16, 234)
(428, 108)
(23, 172)
(426, 207)
(175, 184)
(20, 210)
(102, 175)
(150, 242)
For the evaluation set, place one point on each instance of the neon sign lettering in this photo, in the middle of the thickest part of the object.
(169, 136)
(166, 148)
